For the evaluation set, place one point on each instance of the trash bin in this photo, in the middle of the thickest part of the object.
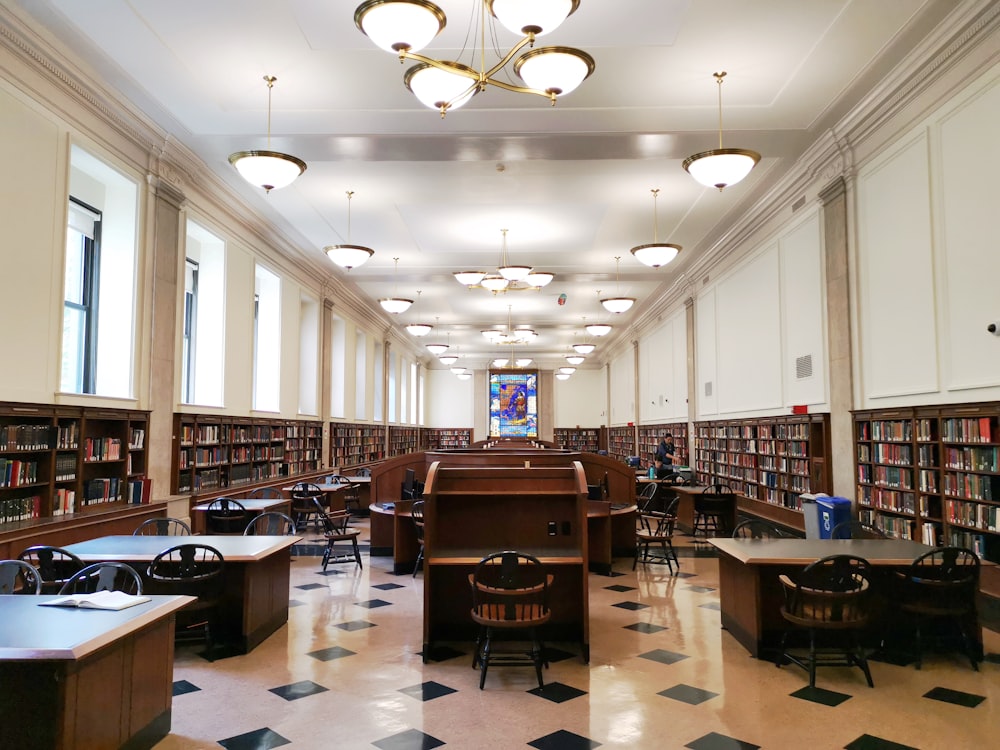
(831, 511)
(810, 511)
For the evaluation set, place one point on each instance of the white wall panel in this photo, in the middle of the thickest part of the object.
(898, 328)
(749, 336)
(679, 403)
(970, 164)
(802, 306)
(31, 250)
(706, 388)
(581, 400)
(238, 367)
(291, 321)
(623, 388)
(450, 401)
(663, 371)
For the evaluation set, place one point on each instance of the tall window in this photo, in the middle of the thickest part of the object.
(83, 242)
(338, 366)
(378, 388)
(267, 341)
(99, 290)
(308, 355)
(203, 334)
(360, 375)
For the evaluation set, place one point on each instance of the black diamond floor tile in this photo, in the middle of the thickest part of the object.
(553, 655)
(716, 741)
(632, 606)
(329, 654)
(819, 695)
(645, 627)
(663, 656)
(183, 687)
(563, 740)
(957, 697)
(298, 690)
(711, 605)
(411, 739)
(259, 739)
(443, 653)
(992, 658)
(388, 586)
(374, 603)
(353, 625)
(698, 589)
(557, 692)
(688, 694)
(895, 658)
(615, 574)
(685, 575)
(870, 742)
(310, 586)
(295, 603)
(427, 691)
(620, 588)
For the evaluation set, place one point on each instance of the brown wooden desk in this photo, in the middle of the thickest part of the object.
(85, 678)
(750, 594)
(255, 597)
(254, 506)
(610, 534)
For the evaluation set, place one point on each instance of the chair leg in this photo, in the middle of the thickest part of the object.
(326, 555)
(860, 659)
(420, 559)
(484, 658)
(812, 658)
(536, 656)
(357, 552)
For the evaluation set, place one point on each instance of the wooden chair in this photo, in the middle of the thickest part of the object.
(758, 528)
(857, 530)
(335, 529)
(195, 570)
(265, 493)
(270, 524)
(54, 564)
(509, 593)
(654, 538)
(712, 510)
(104, 576)
(417, 513)
(162, 527)
(19, 577)
(226, 516)
(830, 595)
(351, 494)
(303, 507)
(941, 585)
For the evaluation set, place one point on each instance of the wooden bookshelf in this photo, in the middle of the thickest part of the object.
(621, 442)
(442, 439)
(403, 440)
(583, 439)
(62, 460)
(932, 473)
(769, 461)
(213, 452)
(649, 439)
(354, 444)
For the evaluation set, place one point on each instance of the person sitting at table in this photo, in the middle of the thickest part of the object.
(661, 470)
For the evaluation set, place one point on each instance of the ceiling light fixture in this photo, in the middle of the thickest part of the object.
(567, 370)
(267, 169)
(617, 304)
(464, 375)
(508, 277)
(523, 362)
(448, 359)
(418, 329)
(348, 256)
(721, 167)
(500, 362)
(655, 254)
(438, 349)
(583, 348)
(394, 304)
(469, 278)
(562, 376)
(575, 359)
(598, 329)
(407, 26)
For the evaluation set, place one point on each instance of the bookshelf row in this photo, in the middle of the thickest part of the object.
(60, 460)
(212, 452)
(649, 436)
(771, 460)
(353, 444)
(583, 439)
(441, 439)
(932, 474)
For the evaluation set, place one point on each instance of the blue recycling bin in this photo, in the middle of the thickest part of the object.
(831, 511)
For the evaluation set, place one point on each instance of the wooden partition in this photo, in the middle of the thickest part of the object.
(471, 512)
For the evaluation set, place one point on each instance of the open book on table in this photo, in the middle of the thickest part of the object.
(97, 600)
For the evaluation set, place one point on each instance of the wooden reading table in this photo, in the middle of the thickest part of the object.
(254, 506)
(86, 678)
(255, 596)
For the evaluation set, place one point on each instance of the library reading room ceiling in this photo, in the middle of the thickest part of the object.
(568, 185)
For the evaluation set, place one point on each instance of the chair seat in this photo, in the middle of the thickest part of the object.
(521, 616)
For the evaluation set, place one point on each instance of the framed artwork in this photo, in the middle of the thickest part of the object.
(514, 404)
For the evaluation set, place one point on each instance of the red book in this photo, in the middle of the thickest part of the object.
(984, 430)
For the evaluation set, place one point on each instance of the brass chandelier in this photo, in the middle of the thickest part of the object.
(509, 277)
(265, 168)
(407, 26)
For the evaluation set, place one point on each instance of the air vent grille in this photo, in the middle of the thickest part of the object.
(803, 367)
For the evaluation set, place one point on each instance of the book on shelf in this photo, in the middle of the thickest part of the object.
(115, 600)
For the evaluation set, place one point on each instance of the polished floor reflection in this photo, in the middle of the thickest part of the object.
(347, 672)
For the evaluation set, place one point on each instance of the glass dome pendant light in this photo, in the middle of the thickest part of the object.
(266, 168)
(657, 253)
(448, 359)
(348, 256)
(437, 349)
(598, 329)
(394, 304)
(617, 304)
(721, 167)
(418, 329)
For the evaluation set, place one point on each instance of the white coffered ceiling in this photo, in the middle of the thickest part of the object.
(571, 183)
